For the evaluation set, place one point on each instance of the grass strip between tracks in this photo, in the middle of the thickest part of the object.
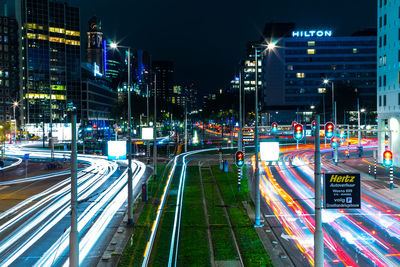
(133, 253)
(250, 245)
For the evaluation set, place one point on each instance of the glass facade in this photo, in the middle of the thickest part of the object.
(51, 48)
(9, 67)
(303, 63)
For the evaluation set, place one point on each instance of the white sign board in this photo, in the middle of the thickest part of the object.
(147, 133)
(116, 150)
(269, 151)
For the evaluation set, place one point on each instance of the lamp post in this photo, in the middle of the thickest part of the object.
(269, 46)
(363, 110)
(130, 196)
(326, 81)
(15, 104)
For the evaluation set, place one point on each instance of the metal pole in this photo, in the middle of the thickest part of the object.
(318, 234)
(391, 177)
(257, 174)
(130, 193)
(148, 121)
(74, 236)
(155, 127)
(240, 134)
(186, 125)
(375, 166)
(333, 103)
(359, 133)
(15, 125)
(240, 141)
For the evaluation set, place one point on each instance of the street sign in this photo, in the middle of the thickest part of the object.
(342, 191)
(26, 156)
(147, 133)
(269, 151)
(116, 150)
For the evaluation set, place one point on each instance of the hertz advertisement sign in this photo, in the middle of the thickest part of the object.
(342, 191)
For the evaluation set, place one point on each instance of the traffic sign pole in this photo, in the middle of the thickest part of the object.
(318, 234)
(391, 177)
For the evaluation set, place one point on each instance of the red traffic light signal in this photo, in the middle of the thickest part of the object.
(334, 142)
(313, 125)
(219, 150)
(274, 127)
(294, 124)
(298, 131)
(387, 158)
(329, 128)
(239, 159)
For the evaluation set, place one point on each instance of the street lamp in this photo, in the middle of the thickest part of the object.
(269, 46)
(130, 200)
(365, 120)
(326, 81)
(15, 104)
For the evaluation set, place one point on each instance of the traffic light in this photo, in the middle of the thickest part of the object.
(298, 132)
(313, 125)
(329, 128)
(294, 123)
(219, 150)
(342, 134)
(239, 159)
(387, 158)
(274, 128)
(334, 142)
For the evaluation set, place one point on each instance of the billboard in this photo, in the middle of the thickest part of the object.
(147, 133)
(116, 150)
(269, 151)
(342, 191)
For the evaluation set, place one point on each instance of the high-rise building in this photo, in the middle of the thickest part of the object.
(164, 71)
(249, 68)
(294, 71)
(96, 50)
(142, 66)
(113, 70)
(9, 68)
(388, 89)
(51, 58)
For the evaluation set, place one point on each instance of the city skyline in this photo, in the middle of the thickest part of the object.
(213, 36)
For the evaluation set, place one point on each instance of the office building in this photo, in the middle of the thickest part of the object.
(9, 68)
(164, 71)
(97, 98)
(294, 71)
(51, 59)
(142, 67)
(388, 89)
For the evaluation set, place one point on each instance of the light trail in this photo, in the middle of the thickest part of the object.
(353, 238)
(27, 223)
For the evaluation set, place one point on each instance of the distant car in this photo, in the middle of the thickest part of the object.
(35, 137)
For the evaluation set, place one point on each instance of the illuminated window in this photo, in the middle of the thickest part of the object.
(72, 33)
(384, 60)
(57, 39)
(311, 43)
(31, 35)
(311, 51)
(380, 61)
(300, 75)
(355, 50)
(72, 42)
(31, 26)
(57, 30)
(42, 37)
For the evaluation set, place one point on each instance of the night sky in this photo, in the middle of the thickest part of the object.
(206, 39)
